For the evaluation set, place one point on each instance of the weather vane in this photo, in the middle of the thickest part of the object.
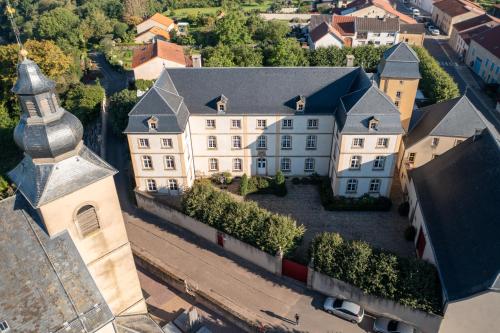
(10, 13)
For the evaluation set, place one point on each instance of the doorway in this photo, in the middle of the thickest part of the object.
(261, 166)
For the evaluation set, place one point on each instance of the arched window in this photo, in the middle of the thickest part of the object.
(87, 220)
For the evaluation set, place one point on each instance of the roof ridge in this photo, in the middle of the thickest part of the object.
(140, 100)
(448, 112)
(170, 106)
(359, 99)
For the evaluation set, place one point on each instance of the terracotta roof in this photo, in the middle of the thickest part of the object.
(164, 50)
(490, 40)
(386, 5)
(473, 22)
(344, 24)
(373, 24)
(157, 32)
(456, 7)
(162, 19)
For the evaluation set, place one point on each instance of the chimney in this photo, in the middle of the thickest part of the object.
(350, 60)
(196, 59)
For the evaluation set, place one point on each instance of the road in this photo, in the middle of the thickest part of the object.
(112, 80)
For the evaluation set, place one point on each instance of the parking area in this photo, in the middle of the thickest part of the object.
(383, 230)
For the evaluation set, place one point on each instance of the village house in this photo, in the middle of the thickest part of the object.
(462, 32)
(413, 34)
(149, 60)
(446, 13)
(373, 9)
(483, 55)
(156, 27)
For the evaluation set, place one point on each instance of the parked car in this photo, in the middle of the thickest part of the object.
(344, 309)
(415, 12)
(433, 30)
(386, 325)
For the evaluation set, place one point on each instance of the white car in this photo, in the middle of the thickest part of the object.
(345, 309)
(415, 12)
(386, 325)
(433, 30)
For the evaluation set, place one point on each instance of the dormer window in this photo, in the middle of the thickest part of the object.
(153, 123)
(301, 103)
(373, 124)
(222, 104)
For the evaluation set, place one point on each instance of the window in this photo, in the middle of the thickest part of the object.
(378, 163)
(396, 103)
(261, 123)
(147, 162)
(169, 162)
(382, 142)
(262, 142)
(435, 142)
(376, 34)
(172, 185)
(212, 142)
(311, 141)
(213, 164)
(287, 123)
(151, 185)
(355, 162)
(300, 106)
(237, 164)
(222, 107)
(143, 143)
(309, 164)
(398, 94)
(312, 123)
(235, 123)
(236, 142)
(86, 220)
(401, 82)
(352, 186)
(286, 164)
(374, 186)
(286, 142)
(434, 156)
(210, 123)
(358, 142)
(152, 125)
(411, 157)
(373, 124)
(167, 143)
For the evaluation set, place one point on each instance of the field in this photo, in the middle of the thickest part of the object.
(184, 12)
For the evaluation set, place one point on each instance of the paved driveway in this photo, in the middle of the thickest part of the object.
(381, 229)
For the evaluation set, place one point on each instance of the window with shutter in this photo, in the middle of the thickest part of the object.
(87, 220)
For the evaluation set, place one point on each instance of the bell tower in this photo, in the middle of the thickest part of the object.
(72, 189)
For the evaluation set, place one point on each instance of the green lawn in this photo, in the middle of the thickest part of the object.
(121, 56)
(184, 12)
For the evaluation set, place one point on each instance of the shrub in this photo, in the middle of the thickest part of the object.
(279, 178)
(377, 272)
(243, 220)
(244, 185)
(143, 85)
(410, 233)
(404, 208)
(217, 177)
(280, 185)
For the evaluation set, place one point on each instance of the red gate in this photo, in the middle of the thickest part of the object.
(294, 270)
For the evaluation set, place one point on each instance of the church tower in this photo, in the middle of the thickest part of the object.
(399, 74)
(73, 189)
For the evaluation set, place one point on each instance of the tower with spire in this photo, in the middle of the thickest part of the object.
(72, 189)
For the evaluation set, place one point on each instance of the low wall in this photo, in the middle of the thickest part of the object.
(231, 244)
(426, 322)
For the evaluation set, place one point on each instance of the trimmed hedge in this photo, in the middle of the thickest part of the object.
(245, 221)
(409, 281)
(363, 203)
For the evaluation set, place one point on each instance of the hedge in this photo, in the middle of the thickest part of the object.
(245, 221)
(409, 281)
(263, 185)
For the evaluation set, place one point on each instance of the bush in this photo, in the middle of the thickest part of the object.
(280, 185)
(217, 177)
(243, 220)
(244, 185)
(84, 101)
(404, 208)
(143, 85)
(411, 282)
(410, 233)
(120, 105)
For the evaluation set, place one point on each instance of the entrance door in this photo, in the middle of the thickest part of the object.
(261, 166)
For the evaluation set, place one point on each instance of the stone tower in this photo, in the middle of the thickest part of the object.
(73, 189)
(398, 74)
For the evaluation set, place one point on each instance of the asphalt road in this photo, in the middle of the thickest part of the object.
(112, 80)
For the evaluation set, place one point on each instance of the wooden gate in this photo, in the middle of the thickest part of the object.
(295, 271)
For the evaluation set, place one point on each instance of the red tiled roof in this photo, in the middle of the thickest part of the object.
(386, 5)
(490, 40)
(457, 7)
(161, 49)
(157, 32)
(344, 24)
(162, 19)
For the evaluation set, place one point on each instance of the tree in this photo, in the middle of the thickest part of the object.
(95, 26)
(244, 185)
(272, 31)
(328, 56)
(246, 56)
(287, 52)
(231, 29)
(84, 101)
(120, 30)
(218, 56)
(60, 25)
(134, 11)
(120, 105)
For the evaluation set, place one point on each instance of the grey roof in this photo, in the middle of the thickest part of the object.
(45, 284)
(41, 183)
(463, 227)
(400, 61)
(141, 323)
(31, 80)
(361, 106)
(416, 28)
(319, 32)
(375, 24)
(456, 117)
(317, 19)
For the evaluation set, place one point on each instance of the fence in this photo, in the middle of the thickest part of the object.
(231, 244)
(426, 322)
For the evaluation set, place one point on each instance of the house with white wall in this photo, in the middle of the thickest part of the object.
(462, 32)
(483, 55)
(149, 60)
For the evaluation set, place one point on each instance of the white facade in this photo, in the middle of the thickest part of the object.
(377, 39)
(326, 41)
(151, 70)
(148, 24)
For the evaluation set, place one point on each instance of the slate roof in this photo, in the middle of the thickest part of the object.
(455, 7)
(374, 24)
(322, 30)
(361, 106)
(473, 22)
(418, 28)
(399, 61)
(44, 282)
(463, 228)
(456, 117)
(317, 19)
(490, 40)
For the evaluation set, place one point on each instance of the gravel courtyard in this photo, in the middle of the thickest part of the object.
(383, 230)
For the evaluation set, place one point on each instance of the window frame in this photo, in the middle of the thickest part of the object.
(282, 163)
(140, 146)
(312, 162)
(379, 160)
(312, 123)
(283, 121)
(212, 142)
(358, 143)
(352, 182)
(377, 182)
(175, 184)
(149, 182)
(312, 139)
(87, 228)
(208, 126)
(359, 159)
(259, 140)
(167, 146)
(238, 122)
(240, 164)
(170, 158)
(288, 140)
(411, 157)
(261, 123)
(147, 162)
(213, 159)
(238, 140)
(384, 145)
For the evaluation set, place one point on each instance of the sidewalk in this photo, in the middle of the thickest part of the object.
(245, 288)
